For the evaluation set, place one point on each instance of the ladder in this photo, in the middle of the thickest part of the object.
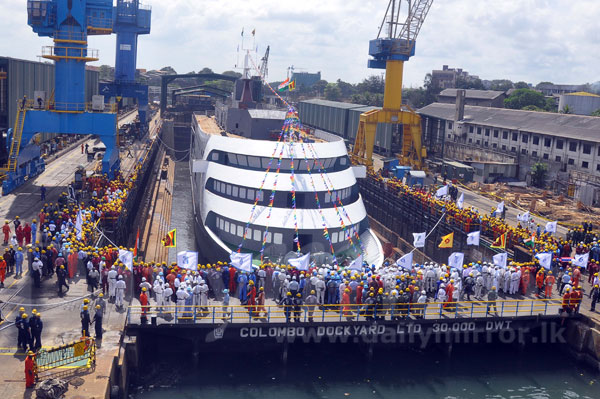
(16, 140)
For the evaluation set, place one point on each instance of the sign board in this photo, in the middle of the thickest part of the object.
(125, 47)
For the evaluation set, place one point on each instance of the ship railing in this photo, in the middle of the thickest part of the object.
(42, 105)
(346, 313)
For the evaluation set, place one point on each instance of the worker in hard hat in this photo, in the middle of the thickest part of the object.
(97, 321)
(144, 303)
(30, 372)
(85, 322)
(61, 275)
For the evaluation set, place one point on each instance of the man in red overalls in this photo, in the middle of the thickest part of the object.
(2, 271)
(29, 370)
(6, 231)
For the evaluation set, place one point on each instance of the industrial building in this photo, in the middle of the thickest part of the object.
(481, 98)
(580, 103)
(549, 89)
(445, 78)
(306, 79)
(20, 78)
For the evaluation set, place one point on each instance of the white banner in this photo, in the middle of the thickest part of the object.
(500, 259)
(441, 192)
(551, 227)
(457, 259)
(473, 238)
(500, 207)
(461, 201)
(524, 217)
(357, 264)
(419, 240)
(126, 257)
(188, 260)
(79, 225)
(300, 263)
(406, 262)
(545, 259)
(241, 261)
(581, 260)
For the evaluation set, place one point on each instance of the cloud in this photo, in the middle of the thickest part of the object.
(531, 40)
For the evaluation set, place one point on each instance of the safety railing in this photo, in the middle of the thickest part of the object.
(347, 313)
(35, 104)
(78, 354)
(70, 53)
(99, 26)
(70, 37)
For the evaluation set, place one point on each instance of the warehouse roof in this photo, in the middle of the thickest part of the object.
(561, 125)
(479, 94)
(266, 114)
(335, 104)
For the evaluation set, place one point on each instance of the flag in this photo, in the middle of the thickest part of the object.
(551, 227)
(242, 32)
(500, 259)
(170, 240)
(441, 192)
(79, 225)
(300, 263)
(406, 261)
(460, 202)
(524, 217)
(530, 241)
(126, 257)
(473, 238)
(500, 242)
(500, 207)
(456, 260)
(284, 85)
(292, 85)
(447, 241)
(581, 260)
(419, 240)
(241, 261)
(545, 259)
(188, 260)
(137, 244)
(357, 264)
(253, 32)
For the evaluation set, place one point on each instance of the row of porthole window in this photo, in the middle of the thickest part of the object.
(238, 192)
(252, 234)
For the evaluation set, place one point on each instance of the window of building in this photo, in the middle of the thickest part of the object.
(232, 159)
(587, 148)
(470, 141)
(234, 191)
(226, 229)
(470, 129)
(505, 135)
(449, 125)
(228, 189)
(536, 140)
(334, 238)
(496, 133)
(515, 136)
(478, 142)
(478, 130)
(242, 192)
(449, 136)
(513, 149)
(558, 159)
(572, 146)
(269, 237)
(265, 162)
(257, 235)
(254, 162)
(559, 144)
(598, 168)
(503, 148)
(277, 238)
(571, 161)
(525, 138)
(221, 224)
(251, 195)
(242, 160)
(485, 143)
(585, 165)
(534, 153)
(494, 145)
(487, 132)
(523, 151)
(546, 156)
(240, 231)
(547, 142)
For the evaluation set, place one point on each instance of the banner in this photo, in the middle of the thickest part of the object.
(457, 259)
(441, 192)
(447, 241)
(406, 262)
(474, 238)
(241, 261)
(300, 263)
(500, 259)
(79, 225)
(500, 242)
(461, 201)
(500, 207)
(545, 259)
(581, 260)
(551, 227)
(419, 240)
(126, 257)
(188, 260)
(357, 264)
(524, 217)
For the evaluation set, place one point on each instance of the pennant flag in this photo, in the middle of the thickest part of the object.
(545, 259)
(357, 264)
(242, 32)
(292, 85)
(419, 240)
(253, 32)
(447, 241)
(530, 241)
(441, 192)
(126, 257)
(551, 227)
(581, 260)
(284, 85)
(500, 242)
(500, 207)
(473, 238)
(457, 259)
(170, 240)
(406, 262)
(241, 261)
(137, 244)
(461, 201)
(524, 217)
(79, 225)
(188, 260)
(300, 263)
(500, 259)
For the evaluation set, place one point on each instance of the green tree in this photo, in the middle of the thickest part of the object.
(596, 112)
(347, 89)
(533, 108)
(106, 72)
(566, 110)
(372, 84)
(205, 70)
(232, 73)
(537, 86)
(501, 85)
(551, 105)
(475, 84)
(169, 70)
(523, 97)
(538, 174)
(319, 87)
(333, 92)
(415, 97)
(521, 85)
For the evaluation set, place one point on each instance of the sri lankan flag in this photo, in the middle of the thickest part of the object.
(500, 242)
(447, 241)
(170, 240)
(292, 85)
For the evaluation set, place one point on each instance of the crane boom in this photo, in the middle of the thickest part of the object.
(264, 64)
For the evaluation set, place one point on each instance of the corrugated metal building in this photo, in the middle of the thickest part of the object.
(23, 78)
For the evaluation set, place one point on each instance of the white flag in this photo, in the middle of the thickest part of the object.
(357, 264)
(500, 259)
(461, 201)
(241, 261)
(473, 238)
(126, 257)
(419, 240)
(581, 260)
(441, 192)
(524, 217)
(457, 259)
(79, 225)
(545, 259)
(551, 227)
(500, 207)
(188, 260)
(406, 262)
(300, 263)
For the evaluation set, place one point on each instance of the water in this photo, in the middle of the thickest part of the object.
(471, 372)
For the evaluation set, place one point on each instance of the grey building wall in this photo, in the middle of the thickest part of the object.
(580, 105)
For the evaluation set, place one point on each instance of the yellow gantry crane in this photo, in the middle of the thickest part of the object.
(390, 53)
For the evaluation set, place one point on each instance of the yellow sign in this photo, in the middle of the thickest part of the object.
(447, 241)
(79, 349)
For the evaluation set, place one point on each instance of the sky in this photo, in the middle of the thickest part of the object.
(530, 40)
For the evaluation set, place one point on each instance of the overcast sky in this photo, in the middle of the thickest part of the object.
(531, 40)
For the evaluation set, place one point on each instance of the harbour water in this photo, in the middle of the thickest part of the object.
(498, 372)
